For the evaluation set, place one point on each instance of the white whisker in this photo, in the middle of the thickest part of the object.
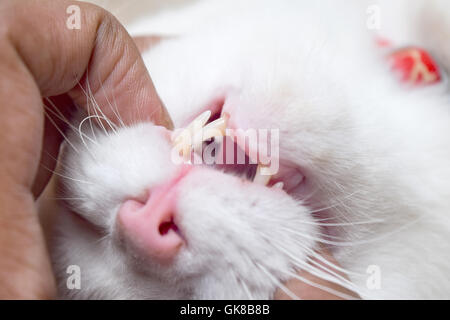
(61, 132)
(65, 177)
(278, 283)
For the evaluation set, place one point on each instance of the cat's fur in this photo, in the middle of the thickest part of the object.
(375, 153)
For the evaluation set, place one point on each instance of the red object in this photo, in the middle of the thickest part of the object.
(383, 42)
(415, 65)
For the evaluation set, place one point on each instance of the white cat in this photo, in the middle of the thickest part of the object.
(364, 158)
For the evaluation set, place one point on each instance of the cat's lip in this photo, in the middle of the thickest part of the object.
(286, 176)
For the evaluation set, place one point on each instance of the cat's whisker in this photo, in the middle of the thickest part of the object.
(97, 108)
(246, 289)
(339, 203)
(91, 100)
(320, 224)
(316, 255)
(59, 163)
(57, 113)
(341, 224)
(328, 274)
(61, 132)
(88, 109)
(81, 135)
(319, 286)
(352, 243)
(68, 198)
(114, 110)
(117, 113)
(64, 176)
(332, 276)
(292, 295)
(64, 119)
(90, 120)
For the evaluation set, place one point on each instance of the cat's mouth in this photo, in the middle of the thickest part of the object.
(211, 140)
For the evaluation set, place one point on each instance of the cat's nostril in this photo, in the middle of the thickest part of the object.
(149, 226)
(165, 227)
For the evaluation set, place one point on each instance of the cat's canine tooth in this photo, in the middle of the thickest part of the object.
(198, 132)
(195, 125)
(278, 185)
(215, 128)
(201, 119)
(261, 178)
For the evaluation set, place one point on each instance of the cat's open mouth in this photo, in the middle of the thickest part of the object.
(212, 141)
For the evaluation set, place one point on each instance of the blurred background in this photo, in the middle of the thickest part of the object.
(130, 10)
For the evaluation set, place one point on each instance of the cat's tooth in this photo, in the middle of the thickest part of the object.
(198, 132)
(196, 124)
(184, 149)
(183, 142)
(214, 129)
(261, 178)
(201, 120)
(279, 185)
(179, 138)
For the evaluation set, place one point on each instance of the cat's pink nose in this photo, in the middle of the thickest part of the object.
(149, 227)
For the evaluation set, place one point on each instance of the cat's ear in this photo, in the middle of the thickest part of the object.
(145, 43)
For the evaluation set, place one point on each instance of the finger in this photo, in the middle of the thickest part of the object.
(100, 55)
(99, 58)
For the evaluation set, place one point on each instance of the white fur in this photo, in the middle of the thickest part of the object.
(376, 155)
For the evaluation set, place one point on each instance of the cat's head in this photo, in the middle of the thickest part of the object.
(152, 228)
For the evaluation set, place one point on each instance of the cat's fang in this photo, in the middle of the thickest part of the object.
(196, 124)
(201, 120)
(196, 132)
(261, 178)
(215, 128)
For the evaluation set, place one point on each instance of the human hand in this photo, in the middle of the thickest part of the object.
(41, 57)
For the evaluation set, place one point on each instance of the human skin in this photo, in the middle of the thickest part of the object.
(306, 291)
(41, 57)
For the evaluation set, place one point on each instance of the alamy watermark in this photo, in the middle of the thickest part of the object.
(220, 146)
(74, 19)
(373, 21)
(74, 279)
(373, 281)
